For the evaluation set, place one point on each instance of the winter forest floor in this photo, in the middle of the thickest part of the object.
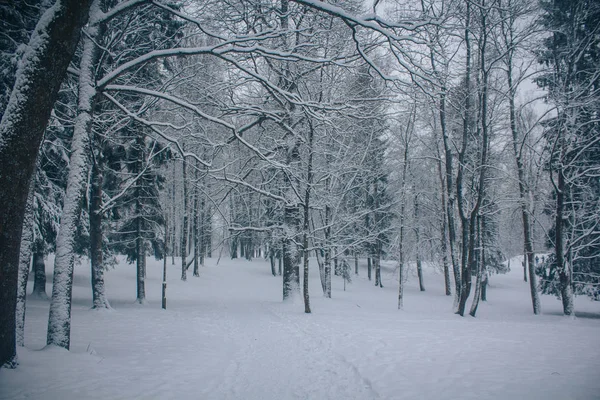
(227, 335)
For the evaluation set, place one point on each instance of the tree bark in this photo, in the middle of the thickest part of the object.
(443, 232)
(564, 268)
(140, 267)
(164, 277)
(24, 261)
(99, 300)
(309, 179)
(480, 266)
(37, 82)
(465, 287)
(195, 228)
(39, 275)
(528, 257)
(59, 320)
(291, 268)
(418, 245)
(184, 229)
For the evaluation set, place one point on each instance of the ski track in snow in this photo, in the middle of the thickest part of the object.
(227, 335)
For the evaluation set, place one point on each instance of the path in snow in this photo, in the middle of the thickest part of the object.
(226, 335)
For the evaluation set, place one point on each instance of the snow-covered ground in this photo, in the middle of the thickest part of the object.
(227, 335)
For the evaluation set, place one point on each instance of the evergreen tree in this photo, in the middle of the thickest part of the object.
(572, 55)
(138, 214)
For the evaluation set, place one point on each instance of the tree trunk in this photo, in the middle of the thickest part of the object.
(272, 261)
(203, 239)
(141, 266)
(59, 320)
(377, 259)
(480, 267)
(195, 229)
(280, 261)
(140, 244)
(24, 261)
(37, 82)
(377, 246)
(484, 285)
(164, 279)
(448, 187)
(291, 269)
(564, 268)
(527, 234)
(173, 217)
(443, 234)
(327, 262)
(355, 262)
(309, 179)
(39, 276)
(207, 230)
(184, 230)
(99, 300)
(369, 267)
(418, 244)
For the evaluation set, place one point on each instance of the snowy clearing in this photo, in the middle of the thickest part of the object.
(226, 335)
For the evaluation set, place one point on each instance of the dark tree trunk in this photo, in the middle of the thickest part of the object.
(564, 268)
(523, 192)
(355, 263)
(39, 276)
(24, 261)
(272, 261)
(96, 255)
(447, 285)
(306, 225)
(184, 230)
(465, 287)
(173, 217)
(418, 244)
(480, 266)
(207, 230)
(164, 279)
(470, 233)
(141, 266)
(59, 318)
(279, 262)
(291, 268)
(204, 239)
(327, 255)
(140, 248)
(195, 228)
(43, 68)
(336, 266)
(484, 285)
(369, 267)
(233, 248)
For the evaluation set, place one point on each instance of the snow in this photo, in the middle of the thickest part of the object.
(227, 335)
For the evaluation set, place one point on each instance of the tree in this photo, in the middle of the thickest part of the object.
(38, 79)
(572, 80)
(513, 38)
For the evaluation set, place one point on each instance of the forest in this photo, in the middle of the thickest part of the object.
(446, 134)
